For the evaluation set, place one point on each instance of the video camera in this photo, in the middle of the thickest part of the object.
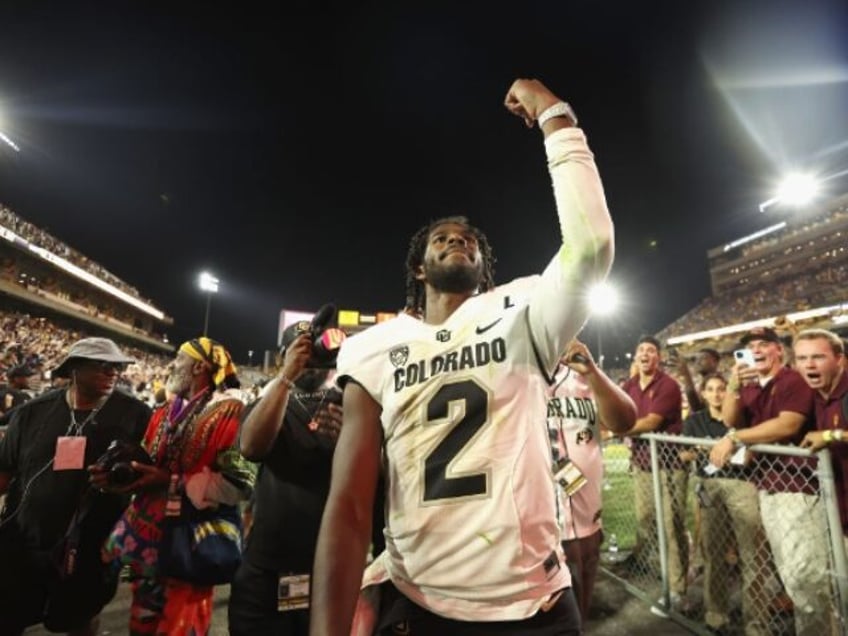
(326, 337)
(116, 461)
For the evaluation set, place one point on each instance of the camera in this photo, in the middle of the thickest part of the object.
(326, 337)
(116, 461)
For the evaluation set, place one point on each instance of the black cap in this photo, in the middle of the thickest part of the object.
(760, 333)
(20, 371)
(291, 332)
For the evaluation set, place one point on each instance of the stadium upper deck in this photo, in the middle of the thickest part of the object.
(40, 271)
(790, 273)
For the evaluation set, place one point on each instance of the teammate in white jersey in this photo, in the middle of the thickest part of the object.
(581, 400)
(454, 404)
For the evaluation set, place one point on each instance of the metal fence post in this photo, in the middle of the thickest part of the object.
(824, 468)
(658, 519)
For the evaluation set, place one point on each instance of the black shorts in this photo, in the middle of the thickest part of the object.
(252, 609)
(399, 615)
(31, 592)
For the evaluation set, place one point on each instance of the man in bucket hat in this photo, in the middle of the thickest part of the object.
(54, 523)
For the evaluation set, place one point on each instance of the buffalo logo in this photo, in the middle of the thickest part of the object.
(302, 326)
(399, 355)
(443, 335)
(585, 436)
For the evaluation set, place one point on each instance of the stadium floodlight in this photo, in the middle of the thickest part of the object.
(603, 299)
(795, 189)
(209, 284)
(603, 302)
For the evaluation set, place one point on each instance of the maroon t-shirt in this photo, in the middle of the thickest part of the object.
(662, 397)
(786, 391)
(830, 416)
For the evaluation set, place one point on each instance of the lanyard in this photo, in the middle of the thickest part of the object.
(76, 428)
(176, 425)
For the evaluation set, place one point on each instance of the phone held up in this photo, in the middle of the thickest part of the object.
(744, 355)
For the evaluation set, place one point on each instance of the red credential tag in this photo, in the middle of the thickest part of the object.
(70, 453)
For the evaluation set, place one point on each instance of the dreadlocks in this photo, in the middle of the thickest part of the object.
(415, 292)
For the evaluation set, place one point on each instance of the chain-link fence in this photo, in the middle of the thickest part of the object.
(755, 548)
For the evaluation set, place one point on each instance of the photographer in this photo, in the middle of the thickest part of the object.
(53, 524)
(291, 431)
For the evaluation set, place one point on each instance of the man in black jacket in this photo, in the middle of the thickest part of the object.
(291, 431)
(54, 523)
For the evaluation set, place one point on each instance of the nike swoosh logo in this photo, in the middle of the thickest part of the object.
(487, 327)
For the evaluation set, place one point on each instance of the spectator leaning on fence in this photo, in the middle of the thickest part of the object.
(658, 402)
(728, 501)
(768, 403)
(820, 359)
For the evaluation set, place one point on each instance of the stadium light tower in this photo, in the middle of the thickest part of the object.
(603, 302)
(795, 189)
(209, 284)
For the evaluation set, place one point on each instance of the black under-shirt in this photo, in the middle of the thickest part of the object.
(703, 424)
(291, 490)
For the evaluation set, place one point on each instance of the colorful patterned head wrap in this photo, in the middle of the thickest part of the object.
(216, 356)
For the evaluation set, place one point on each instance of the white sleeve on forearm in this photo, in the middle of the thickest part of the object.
(208, 488)
(558, 309)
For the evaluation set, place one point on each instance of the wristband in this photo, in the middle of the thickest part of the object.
(731, 434)
(287, 383)
(837, 435)
(827, 436)
(560, 109)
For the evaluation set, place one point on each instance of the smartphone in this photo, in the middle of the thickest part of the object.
(744, 355)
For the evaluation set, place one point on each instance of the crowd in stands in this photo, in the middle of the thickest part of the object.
(44, 239)
(798, 293)
(41, 344)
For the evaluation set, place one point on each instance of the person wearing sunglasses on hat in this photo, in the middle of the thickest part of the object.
(48, 577)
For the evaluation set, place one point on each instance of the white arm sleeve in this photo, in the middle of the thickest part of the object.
(558, 308)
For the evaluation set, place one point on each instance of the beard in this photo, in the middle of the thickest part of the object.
(178, 383)
(312, 379)
(453, 279)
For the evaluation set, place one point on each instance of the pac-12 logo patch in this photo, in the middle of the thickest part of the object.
(399, 355)
(585, 436)
(443, 335)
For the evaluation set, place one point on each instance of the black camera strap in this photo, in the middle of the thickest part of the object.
(67, 549)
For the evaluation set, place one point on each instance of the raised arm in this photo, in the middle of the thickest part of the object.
(586, 229)
(731, 409)
(346, 526)
(616, 410)
(263, 423)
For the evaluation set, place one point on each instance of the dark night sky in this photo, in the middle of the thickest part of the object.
(293, 155)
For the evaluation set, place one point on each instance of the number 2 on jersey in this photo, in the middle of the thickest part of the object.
(437, 484)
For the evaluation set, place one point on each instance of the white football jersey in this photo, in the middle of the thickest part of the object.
(575, 434)
(472, 529)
